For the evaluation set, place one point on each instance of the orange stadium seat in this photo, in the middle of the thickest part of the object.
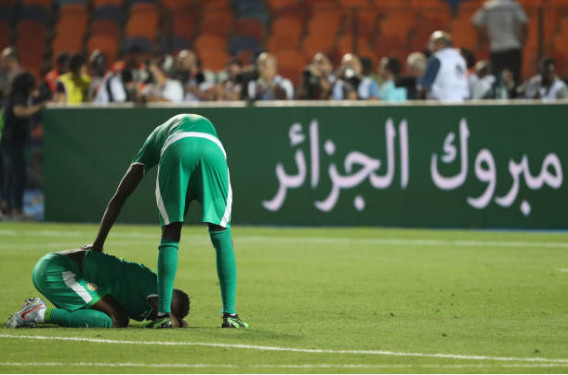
(279, 5)
(281, 42)
(250, 26)
(385, 5)
(210, 42)
(71, 25)
(176, 4)
(355, 3)
(184, 24)
(63, 43)
(365, 22)
(464, 34)
(108, 45)
(213, 59)
(30, 27)
(287, 25)
(345, 45)
(314, 44)
(98, 3)
(105, 27)
(291, 63)
(398, 24)
(215, 4)
(143, 21)
(217, 22)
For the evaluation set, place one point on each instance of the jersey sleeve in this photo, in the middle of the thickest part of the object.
(149, 154)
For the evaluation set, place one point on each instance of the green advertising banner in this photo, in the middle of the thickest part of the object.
(485, 166)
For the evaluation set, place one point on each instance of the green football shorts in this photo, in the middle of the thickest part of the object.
(58, 278)
(193, 166)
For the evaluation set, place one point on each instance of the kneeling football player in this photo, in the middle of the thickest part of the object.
(92, 289)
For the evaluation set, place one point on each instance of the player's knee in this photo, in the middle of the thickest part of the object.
(172, 231)
(216, 228)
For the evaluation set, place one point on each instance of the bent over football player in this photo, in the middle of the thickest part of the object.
(92, 289)
(192, 165)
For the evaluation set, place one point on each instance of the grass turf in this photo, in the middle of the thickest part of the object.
(491, 294)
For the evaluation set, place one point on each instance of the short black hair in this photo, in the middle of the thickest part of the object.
(62, 58)
(76, 62)
(393, 65)
(23, 84)
(546, 61)
(468, 56)
(180, 304)
(234, 61)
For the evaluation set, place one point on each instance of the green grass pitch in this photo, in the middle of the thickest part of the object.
(318, 300)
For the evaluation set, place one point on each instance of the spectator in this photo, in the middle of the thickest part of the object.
(269, 85)
(188, 72)
(482, 83)
(546, 85)
(505, 24)
(415, 66)
(232, 87)
(162, 88)
(17, 111)
(9, 68)
(445, 76)
(98, 67)
(73, 87)
(61, 67)
(317, 79)
(389, 70)
(351, 84)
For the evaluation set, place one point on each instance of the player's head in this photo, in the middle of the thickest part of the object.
(180, 304)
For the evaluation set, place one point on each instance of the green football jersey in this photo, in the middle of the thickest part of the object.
(129, 283)
(150, 153)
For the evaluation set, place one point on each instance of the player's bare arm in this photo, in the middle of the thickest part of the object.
(127, 185)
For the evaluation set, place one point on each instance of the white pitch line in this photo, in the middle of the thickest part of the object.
(287, 349)
(284, 366)
(200, 239)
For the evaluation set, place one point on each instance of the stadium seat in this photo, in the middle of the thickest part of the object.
(250, 27)
(108, 12)
(279, 5)
(176, 4)
(217, 22)
(365, 22)
(179, 43)
(215, 5)
(287, 25)
(282, 42)
(144, 44)
(34, 12)
(314, 44)
(184, 24)
(213, 59)
(99, 3)
(240, 43)
(291, 63)
(143, 21)
(105, 27)
(398, 24)
(355, 3)
(6, 14)
(345, 45)
(464, 34)
(210, 41)
(106, 44)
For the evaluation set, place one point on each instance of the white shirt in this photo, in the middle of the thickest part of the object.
(259, 90)
(451, 82)
(113, 83)
(503, 20)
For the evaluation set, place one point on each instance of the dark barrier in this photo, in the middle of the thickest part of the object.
(486, 166)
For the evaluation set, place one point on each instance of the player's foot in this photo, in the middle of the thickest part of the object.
(160, 322)
(29, 315)
(233, 321)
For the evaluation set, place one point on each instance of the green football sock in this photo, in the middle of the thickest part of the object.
(167, 267)
(78, 319)
(226, 268)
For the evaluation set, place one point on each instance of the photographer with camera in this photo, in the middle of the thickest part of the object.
(317, 79)
(269, 85)
(159, 87)
(351, 84)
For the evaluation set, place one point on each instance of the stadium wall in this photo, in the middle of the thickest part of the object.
(457, 166)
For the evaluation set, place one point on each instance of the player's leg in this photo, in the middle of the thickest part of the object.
(58, 278)
(171, 189)
(216, 195)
